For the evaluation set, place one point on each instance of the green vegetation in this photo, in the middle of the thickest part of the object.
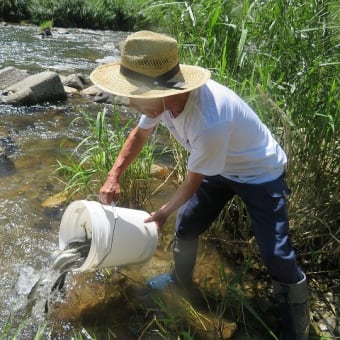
(86, 168)
(48, 24)
(284, 60)
(9, 332)
(101, 14)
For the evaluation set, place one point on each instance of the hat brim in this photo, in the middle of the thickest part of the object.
(109, 79)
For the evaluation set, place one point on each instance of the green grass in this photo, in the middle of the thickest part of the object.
(98, 14)
(9, 332)
(86, 168)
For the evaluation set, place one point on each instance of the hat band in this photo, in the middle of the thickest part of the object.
(161, 80)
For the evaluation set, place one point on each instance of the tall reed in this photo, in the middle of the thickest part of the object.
(284, 60)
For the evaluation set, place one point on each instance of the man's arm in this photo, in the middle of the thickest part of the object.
(132, 147)
(184, 192)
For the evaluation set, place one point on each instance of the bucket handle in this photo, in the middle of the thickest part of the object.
(113, 206)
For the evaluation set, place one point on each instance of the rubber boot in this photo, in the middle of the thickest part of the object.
(184, 253)
(294, 308)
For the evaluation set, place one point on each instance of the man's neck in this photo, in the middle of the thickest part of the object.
(176, 103)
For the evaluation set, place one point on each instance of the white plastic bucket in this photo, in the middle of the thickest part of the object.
(119, 236)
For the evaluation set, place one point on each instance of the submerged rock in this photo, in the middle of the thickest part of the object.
(56, 200)
(7, 147)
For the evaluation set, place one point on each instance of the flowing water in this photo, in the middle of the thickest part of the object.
(29, 232)
(32, 138)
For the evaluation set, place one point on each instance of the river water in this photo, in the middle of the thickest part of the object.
(29, 232)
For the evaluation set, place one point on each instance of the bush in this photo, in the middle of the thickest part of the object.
(100, 14)
(14, 10)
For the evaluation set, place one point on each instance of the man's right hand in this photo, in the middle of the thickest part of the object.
(110, 191)
(134, 143)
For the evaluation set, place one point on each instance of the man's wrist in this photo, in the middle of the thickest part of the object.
(113, 177)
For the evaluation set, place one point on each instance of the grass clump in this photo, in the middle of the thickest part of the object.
(86, 168)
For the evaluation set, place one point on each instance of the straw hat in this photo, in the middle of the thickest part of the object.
(149, 68)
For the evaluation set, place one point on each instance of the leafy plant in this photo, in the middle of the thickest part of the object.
(48, 24)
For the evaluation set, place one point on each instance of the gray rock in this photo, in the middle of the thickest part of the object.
(3, 154)
(91, 91)
(76, 81)
(11, 75)
(7, 166)
(35, 89)
(103, 97)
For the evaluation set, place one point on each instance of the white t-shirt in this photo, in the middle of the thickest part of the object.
(223, 136)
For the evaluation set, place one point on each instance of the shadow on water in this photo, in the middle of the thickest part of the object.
(7, 147)
(7, 167)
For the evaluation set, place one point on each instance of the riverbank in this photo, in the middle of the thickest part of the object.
(92, 14)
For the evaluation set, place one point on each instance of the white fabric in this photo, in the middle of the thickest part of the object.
(224, 136)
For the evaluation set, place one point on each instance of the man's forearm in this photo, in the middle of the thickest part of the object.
(129, 152)
(183, 193)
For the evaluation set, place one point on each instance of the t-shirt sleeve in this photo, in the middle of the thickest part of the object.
(148, 123)
(209, 150)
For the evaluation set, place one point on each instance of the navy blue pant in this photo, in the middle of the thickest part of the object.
(267, 208)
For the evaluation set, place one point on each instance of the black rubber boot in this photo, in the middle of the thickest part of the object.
(184, 253)
(185, 258)
(294, 308)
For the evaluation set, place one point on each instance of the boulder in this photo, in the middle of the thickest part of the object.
(11, 75)
(100, 96)
(91, 91)
(76, 81)
(103, 97)
(35, 89)
(71, 91)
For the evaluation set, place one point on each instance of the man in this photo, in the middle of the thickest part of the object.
(231, 152)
